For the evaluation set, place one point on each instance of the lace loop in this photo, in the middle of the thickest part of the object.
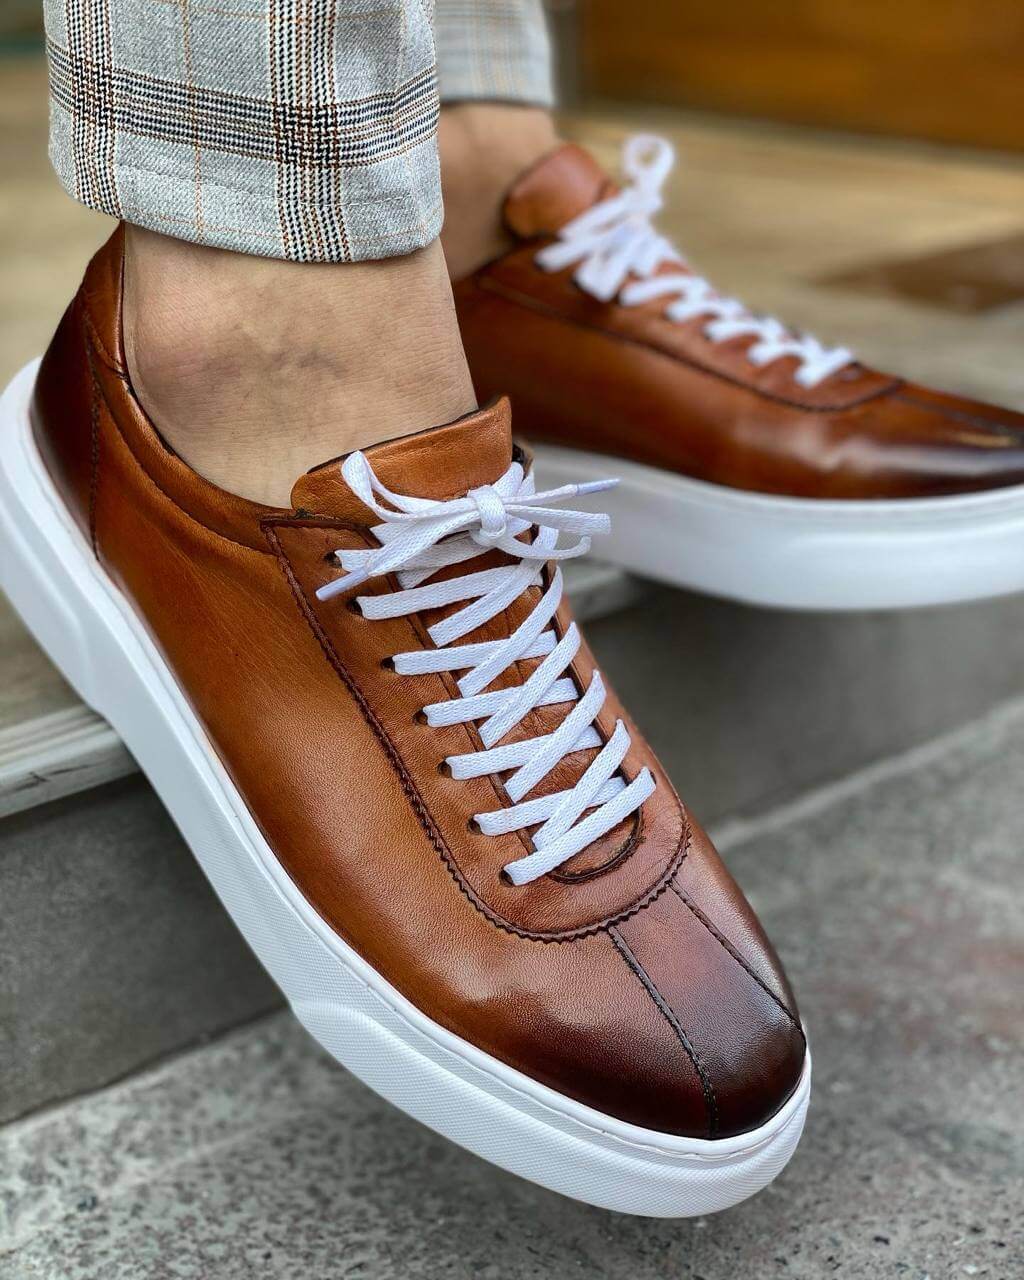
(500, 513)
(492, 513)
(618, 253)
(417, 537)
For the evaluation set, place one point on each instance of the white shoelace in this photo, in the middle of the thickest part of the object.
(418, 537)
(615, 242)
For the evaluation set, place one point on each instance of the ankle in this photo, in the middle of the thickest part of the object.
(255, 370)
(484, 147)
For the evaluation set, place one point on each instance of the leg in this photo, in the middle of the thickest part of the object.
(494, 67)
(341, 332)
(257, 369)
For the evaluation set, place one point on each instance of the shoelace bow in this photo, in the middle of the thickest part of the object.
(418, 537)
(615, 242)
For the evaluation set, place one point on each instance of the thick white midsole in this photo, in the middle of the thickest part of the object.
(90, 631)
(802, 553)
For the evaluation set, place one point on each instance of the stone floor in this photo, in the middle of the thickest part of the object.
(898, 903)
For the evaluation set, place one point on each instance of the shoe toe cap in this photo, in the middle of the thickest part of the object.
(927, 443)
(720, 999)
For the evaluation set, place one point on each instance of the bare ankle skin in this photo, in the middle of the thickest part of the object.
(484, 147)
(255, 370)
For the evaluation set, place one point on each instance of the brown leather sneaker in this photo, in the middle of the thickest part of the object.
(755, 462)
(379, 730)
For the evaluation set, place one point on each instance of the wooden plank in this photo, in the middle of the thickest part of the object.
(58, 755)
(950, 72)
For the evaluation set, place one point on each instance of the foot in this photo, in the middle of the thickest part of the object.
(253, 369)
(484, 146)
(610, 343)
(384, 738)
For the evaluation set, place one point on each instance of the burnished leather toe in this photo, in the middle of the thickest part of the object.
(738, 1023)
(921, 443)
(675, 1016)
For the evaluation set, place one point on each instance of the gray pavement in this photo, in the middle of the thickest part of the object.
(897, 900)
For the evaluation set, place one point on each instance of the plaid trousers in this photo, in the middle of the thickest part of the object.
(298, 129)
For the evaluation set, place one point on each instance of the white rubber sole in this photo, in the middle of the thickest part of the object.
(89, 630)
(801, 553)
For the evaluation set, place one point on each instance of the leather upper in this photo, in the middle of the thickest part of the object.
(634, 979)
(628, 381)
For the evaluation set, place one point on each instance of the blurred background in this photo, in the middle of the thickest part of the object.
(946, 71)
(855, 168)
(858, 170)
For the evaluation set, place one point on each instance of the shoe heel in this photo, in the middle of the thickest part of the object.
(42, 548)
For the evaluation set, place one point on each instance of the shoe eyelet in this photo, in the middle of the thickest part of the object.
(445, 769)
(474, 827)
(387, 664)
(353, 606)
(419, 717)
(331, 558)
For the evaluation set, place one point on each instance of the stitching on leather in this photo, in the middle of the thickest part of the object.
(720, 937)
(94, 449)
(97, 340)
(417, 802)
(534, 304)
(958, 415)
(625, 851)
(710, 1101)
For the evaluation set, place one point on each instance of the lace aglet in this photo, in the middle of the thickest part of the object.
(596, 486)
(335, 587)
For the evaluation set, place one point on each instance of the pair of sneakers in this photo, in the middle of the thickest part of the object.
(383, 736)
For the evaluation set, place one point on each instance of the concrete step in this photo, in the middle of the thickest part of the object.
(114, 951)
(897, 901)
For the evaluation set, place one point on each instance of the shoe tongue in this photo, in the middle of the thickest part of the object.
(444, 462)
(557, 189)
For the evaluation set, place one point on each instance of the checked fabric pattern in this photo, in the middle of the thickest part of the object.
(298, 129)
